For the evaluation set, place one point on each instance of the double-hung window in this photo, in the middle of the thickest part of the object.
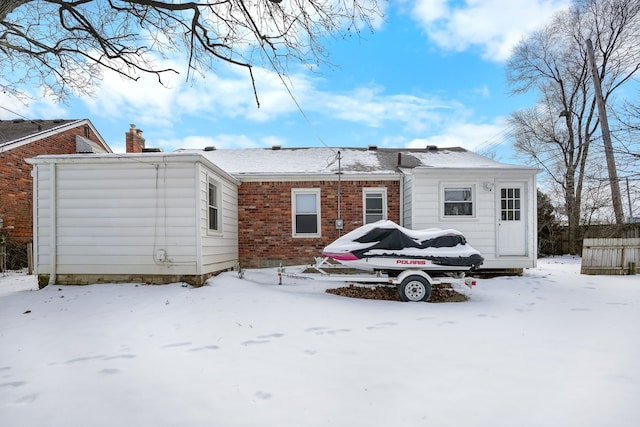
(458, 201)
(306, 212)
(213, 203)
(375, 204)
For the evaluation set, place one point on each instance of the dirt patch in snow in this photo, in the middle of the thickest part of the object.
(439, 293)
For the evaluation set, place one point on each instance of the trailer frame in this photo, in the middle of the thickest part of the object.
(413, 284)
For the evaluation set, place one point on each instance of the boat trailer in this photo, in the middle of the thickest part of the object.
(413, 284)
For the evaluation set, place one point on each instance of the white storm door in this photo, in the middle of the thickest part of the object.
(512, 230)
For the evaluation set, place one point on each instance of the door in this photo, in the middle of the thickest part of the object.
(512, 230)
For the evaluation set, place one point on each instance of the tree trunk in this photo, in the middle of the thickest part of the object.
(573, 211)
(8, 6)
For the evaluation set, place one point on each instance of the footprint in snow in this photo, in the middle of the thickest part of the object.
(206, 347)
(120, 356)
(316, 329)
(262, 395)
(447, 322)
(276, 335)
(382, 325)
(13, 384)
(25, 400)
(335, 331)
(177, 344)
(262, 339)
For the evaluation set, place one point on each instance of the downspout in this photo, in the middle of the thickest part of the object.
(339, 193)
(34, 214)
(401, 201)
(198, 202)
(401, 185)
(53, 224)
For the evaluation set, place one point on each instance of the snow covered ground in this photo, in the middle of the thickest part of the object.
(551, 348)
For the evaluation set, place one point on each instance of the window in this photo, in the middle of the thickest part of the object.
(458, 201)
(510, 204)
(306, 212)
(375, 204)
(213, 202)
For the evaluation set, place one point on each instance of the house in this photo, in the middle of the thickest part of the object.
(160, 217)
(23, 139)
(292, 202)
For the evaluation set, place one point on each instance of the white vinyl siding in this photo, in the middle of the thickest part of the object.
(219, 250)
(122, 214)
(305, 208)
(425, 209)
(128, 217)
(407, 201)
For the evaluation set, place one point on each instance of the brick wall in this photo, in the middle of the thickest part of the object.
(16, 184)
(265, 224)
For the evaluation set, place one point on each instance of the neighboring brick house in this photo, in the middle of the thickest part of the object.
(23, 139)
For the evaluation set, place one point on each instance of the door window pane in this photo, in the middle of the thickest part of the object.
(510, 204)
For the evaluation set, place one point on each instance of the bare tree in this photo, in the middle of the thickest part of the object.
(559, 131)
(64, 45)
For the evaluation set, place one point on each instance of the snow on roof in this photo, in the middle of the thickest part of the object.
(321, 160)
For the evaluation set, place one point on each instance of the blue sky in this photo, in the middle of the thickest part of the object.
(432, 73)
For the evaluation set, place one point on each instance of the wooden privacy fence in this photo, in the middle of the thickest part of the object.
(610, 255)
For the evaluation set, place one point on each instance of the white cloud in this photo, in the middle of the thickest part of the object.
(33, 108)
(471, 136)
(229, 95)
(493, 26)
(371, 107)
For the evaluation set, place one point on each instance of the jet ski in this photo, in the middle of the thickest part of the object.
(384, 245)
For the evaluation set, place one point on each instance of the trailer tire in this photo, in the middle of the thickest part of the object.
(414, 288)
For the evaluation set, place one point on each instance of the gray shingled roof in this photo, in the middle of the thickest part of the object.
(15, 130)
(323, 160)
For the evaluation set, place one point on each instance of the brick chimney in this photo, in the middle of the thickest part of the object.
(135, 141)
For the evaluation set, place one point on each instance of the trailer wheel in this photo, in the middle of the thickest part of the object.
(414, 288)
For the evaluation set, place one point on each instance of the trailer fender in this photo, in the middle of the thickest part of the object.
(406, 273)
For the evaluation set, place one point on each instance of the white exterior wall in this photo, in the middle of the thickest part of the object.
(219, 250)
(481, 230)
(129, 216)
(407, 201)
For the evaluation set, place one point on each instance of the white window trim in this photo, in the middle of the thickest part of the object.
(218, 185)
(456, 185)
(316, 192)
(375, 190)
